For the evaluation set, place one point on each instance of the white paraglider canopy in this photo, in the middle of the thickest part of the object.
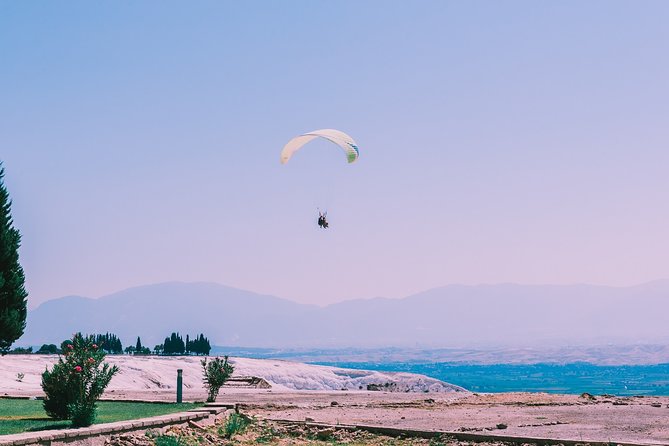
(340, 138)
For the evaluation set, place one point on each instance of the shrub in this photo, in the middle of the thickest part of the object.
(170, 440)
(76, 382)
(59, 391)
(236, 423)
(216, 373)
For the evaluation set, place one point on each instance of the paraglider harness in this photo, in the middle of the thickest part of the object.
(322, 221)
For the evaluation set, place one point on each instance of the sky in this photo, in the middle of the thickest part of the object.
(513, 141)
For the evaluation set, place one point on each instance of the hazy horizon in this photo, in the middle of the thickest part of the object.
(33, 306)
(503, 315)
(513, 142)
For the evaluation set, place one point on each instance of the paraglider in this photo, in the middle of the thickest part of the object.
(337, 137)
(340, 138)
(322, 221)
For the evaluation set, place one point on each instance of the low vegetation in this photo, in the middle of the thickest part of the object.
(241, 430)
(235, 424)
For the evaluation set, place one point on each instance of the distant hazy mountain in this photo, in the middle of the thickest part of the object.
(451, 316)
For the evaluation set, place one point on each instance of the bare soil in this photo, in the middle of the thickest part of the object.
(539, 415)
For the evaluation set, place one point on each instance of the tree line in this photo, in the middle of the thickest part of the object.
(175, 345)
(110, 343)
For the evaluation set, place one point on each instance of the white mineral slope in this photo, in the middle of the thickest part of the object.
(159, 373)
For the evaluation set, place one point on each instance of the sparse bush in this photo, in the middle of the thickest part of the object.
(267, 434)
(76, 382)
(216, 373)
(236, 424)
(442, 440)
(170, 440)
(20, 376)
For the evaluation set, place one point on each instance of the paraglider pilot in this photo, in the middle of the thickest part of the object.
(322, 221)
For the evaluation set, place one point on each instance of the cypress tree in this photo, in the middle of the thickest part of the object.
(174, 343)
(138, 346)
(206, 346)
(13, 295)
(181, 344)
(200, 344)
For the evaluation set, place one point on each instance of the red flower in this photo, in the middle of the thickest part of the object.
(91, 360)
(95, 345)
(70, 346)
(78, 369)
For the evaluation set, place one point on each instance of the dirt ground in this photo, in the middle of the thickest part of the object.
(572, 417)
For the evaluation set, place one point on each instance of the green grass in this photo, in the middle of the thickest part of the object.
(28, 415)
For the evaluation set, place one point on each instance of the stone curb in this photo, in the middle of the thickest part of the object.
(46, 437)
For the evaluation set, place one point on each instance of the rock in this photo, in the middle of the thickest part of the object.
(501, 426)
(334, 403)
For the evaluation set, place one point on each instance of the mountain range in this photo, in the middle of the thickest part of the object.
(451, 316)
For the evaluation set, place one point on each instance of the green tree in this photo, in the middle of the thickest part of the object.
(13, 295)
(48, 349)
(138, 345)
(109, 342)
(174, 345)
(216, 373)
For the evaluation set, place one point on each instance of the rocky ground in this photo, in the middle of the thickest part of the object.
(581, 418)
(573, 417)
(254, 431)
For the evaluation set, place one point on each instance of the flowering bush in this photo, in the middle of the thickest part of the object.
(76, 381)
(216, 373)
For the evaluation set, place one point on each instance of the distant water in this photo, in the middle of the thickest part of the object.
(568, 378)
